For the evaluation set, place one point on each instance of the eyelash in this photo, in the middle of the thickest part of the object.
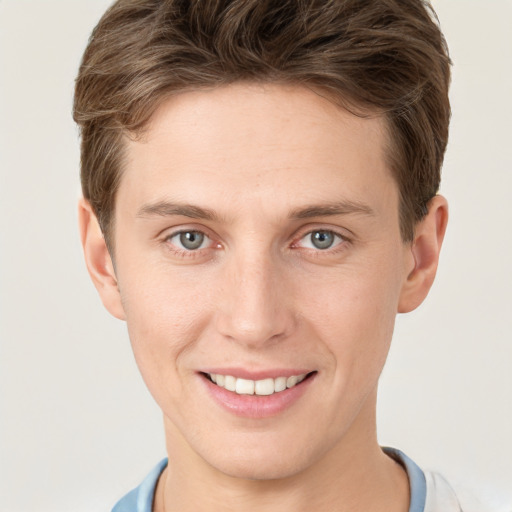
(339, 244)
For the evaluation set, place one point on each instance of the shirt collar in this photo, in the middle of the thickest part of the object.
(141, 498)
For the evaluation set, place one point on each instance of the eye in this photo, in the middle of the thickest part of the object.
(321, 239)
(189, 240)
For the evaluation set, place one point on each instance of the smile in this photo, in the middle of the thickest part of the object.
(262, 387)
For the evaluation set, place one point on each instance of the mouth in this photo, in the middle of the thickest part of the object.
(263, 387)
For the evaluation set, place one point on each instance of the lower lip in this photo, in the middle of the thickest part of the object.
(257, 406)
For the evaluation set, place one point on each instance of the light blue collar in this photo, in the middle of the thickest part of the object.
(141, 498)
(417, 481)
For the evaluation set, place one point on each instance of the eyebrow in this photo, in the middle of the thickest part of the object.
(330, 209)
(169, 209)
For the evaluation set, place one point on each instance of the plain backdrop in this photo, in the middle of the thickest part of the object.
(78, 428)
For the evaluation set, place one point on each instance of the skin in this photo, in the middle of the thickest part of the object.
(259, 295)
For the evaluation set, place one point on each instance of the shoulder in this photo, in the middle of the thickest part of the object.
(140, 499)
(440, 495)
(430, 491)
(443, 496)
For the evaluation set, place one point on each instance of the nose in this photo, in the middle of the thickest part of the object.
(254, 307)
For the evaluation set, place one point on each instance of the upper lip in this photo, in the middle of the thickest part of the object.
(243, 373)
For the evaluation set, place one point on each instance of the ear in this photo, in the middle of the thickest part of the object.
(425, 249)
(98, 260)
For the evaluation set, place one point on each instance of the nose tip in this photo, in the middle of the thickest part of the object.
(253, 309)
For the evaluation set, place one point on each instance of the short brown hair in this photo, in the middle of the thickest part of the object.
(382, 56)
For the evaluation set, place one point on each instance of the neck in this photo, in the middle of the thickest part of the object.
(355, 475)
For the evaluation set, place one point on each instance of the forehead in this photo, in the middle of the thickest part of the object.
(233, 145)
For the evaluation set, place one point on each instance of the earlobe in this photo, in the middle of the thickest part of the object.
(98, 260)
(425, 250)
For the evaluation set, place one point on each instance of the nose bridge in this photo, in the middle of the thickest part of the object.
(254, 308)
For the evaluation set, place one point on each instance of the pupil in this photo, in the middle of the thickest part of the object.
(322, 239)
(191, 240)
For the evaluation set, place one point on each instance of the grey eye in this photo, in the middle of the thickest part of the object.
(190, 240)
(322, 239)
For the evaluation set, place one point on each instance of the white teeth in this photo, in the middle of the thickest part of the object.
(264, 387)
(230, 383)
(256, 387)
(280, 384)
(291, 381)
(244, 387)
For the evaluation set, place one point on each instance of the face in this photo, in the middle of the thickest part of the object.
(257, 244)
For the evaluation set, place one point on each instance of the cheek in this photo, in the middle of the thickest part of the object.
(164, 315)
(354, 313)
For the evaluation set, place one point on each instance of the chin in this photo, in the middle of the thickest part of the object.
(274, 462)
(258, 469)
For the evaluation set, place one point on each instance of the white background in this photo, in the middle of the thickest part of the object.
(78, 428)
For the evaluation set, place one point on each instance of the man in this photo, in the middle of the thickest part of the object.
(260, 183)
